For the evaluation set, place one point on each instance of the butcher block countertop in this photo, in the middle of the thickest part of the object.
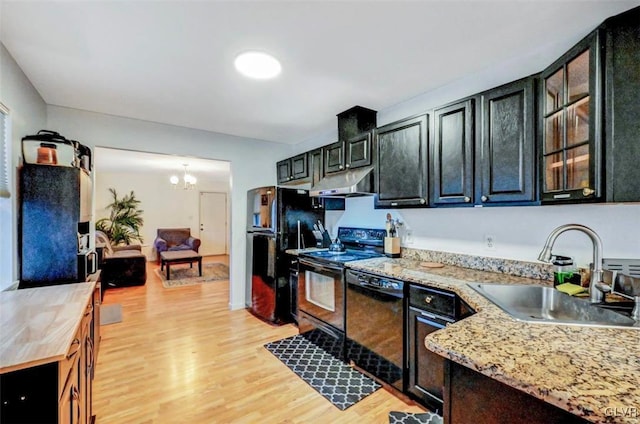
(37, 325)
(593, 373)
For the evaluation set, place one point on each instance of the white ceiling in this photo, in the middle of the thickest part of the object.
(172, 61)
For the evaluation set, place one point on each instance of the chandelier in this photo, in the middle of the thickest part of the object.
(188, 180)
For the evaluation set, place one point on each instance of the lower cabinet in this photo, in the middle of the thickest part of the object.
(57, 392)
(471, 397)
(426, 369)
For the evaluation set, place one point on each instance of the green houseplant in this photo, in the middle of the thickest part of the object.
(125, 219)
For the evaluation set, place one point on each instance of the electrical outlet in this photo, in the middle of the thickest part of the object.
(408, 236)
(490, 242)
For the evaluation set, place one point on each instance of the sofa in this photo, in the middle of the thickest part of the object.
(175, 239)
(121, 266)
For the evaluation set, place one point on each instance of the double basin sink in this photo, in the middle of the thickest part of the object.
(540, 304)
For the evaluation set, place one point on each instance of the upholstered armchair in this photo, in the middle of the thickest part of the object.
(175, 239)
(121, 266)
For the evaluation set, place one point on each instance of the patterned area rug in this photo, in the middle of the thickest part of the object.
(183, 275)
(336, 381)
(410, 418)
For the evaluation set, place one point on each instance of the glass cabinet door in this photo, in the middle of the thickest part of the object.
(570, 133)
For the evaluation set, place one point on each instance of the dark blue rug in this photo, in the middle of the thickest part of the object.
(410, 418)
(336, 381)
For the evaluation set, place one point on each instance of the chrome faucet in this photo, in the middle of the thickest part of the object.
(595, 294)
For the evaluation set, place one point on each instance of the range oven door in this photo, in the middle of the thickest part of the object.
(321, 292)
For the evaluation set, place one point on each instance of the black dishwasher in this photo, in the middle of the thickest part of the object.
(429, 310)
(374, 326)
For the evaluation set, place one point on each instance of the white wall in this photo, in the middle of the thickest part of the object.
(27, 114)
(252, 162)
(519, 232)
(163, 206)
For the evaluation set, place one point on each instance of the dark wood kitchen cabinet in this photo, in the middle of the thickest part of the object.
(316, 172)
(471, 397)
(622, 107)
(571, 124)
(589, 126)
(401, 180)
(334, 157)
(451, 154)
(506, 158)
(293, 169)
(352, 153)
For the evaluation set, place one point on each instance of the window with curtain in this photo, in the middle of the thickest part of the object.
(5, 158)
(7, 246)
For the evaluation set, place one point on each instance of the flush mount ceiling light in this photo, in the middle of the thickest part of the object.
(257, 65)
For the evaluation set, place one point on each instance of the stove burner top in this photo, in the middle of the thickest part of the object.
(341, 257)
(360, 243)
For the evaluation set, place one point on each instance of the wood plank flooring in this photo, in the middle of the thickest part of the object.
(181, 356)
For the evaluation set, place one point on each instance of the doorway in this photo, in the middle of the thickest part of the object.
(213, 223)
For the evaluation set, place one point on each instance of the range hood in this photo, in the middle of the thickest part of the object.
(356, 182)
(351, 182)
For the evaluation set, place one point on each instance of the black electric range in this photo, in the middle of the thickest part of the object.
(322, 286)
(360, 243)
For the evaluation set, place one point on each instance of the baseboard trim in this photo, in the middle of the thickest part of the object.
(236, 306)
(13, 286)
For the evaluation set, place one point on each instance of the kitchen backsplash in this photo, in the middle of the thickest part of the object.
(517, 233)
(540, 271)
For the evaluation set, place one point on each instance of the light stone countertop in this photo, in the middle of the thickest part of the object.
(37, 325)
(591, 372)
(296, 252)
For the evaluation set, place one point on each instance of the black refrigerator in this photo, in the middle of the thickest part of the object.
(274, 215)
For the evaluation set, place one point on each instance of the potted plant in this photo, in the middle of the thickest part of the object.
(125, 219)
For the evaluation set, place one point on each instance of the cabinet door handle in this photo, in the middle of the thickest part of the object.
(340, 167)
(588, 191)
(347, 165)
(467, 199)
(484, 198)
(428, 299)
(76, 344)
(423, 201)
(75, 396)
(90, 352)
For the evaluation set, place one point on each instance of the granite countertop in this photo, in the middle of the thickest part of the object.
(296, 252)
(593, 373)
(38, 325)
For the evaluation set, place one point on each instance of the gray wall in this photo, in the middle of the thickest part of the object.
(27, 111)
(252, 162)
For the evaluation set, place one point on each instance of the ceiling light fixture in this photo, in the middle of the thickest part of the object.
(189, 181)
(257, 65)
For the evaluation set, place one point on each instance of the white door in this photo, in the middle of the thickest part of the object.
(213, 223)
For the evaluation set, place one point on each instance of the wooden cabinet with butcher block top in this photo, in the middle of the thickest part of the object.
(48, 351)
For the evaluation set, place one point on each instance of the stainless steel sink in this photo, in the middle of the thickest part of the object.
(547, 305)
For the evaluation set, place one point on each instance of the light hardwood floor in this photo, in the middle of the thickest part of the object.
(181, 356)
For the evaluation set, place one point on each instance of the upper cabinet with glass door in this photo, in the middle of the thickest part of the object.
(571, 125)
